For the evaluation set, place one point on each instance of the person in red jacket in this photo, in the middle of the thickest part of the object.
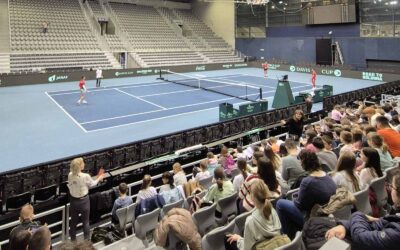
(313, 78)
(265, 67)
(82, 88)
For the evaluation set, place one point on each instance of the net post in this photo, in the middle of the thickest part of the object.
(261, 97)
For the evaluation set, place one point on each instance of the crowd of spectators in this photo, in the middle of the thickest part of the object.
(349, 149)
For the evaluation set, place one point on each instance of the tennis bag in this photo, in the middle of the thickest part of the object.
(272, 243)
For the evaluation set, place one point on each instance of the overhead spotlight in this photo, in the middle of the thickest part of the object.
(330, 32)
(280, 2)
(284, 8)
(393, 2)
(273, 7)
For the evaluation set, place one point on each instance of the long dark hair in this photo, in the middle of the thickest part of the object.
(219, 176)
(266, 172)
(373, 160)
(146, 182)
(347, 163)
(274, 158)
(242, 166)
(167, 175)
(309, 161)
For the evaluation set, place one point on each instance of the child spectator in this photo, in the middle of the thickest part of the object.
(179, 174)
(146, 191)
(122, 201)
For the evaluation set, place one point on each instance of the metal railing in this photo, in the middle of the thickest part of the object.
(62, 222)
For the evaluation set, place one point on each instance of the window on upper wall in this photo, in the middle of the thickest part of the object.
(379, 18)
(284, 13)
(250, 20)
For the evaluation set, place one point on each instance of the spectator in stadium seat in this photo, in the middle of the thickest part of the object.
(226, 160)
(291, 165)
(376, 141)
(45, 27)
(317, 188)
(84, 245)
(41, 239)
(179, 174)
(79, 184)
(263, 223)
(212, 162)
(368, 233)
(345, 174)
(347, 139)
(270, 178)
(244, 173)
(202, 171)
(325, 157)
(357, 139)
(20, 240)
(273, 141)
(168, 190)
(371, 168)
(390, 136)
(337, 114)
(221, 189)
(307, 142)
(122, 201)
(295, 125)
(275, 160)
(146, 191)
(26, 216)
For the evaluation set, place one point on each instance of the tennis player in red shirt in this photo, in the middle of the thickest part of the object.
(265, 67)
(82, 88)
(313, 78)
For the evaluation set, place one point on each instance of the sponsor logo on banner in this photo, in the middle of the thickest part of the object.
(250, 108)
(335, 72)
(144, 71)
(273, 66)
(124, 73)
(373, 76)
(200, 68)
(293, 68)
(227, 66)
(55, 78)
(238, 65)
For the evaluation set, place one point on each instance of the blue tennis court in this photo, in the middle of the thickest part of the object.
(117, 106)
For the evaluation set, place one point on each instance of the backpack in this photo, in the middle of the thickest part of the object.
(272, 243)
(314, 231)
(99, 234)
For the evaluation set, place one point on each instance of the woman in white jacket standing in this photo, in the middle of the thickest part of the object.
(262, 224)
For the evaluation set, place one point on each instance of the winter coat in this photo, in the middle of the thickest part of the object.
(337, 201)
(180, 222)
(381, 234)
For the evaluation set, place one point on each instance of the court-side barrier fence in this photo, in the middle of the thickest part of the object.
(14, 79)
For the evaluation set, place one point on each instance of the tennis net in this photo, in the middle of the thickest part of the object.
(242, 91)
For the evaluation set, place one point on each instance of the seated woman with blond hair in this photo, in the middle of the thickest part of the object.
(263, 223)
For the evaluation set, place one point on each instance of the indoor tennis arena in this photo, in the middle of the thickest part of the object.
(199, 124)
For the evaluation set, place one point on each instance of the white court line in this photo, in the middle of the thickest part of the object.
(126, 93)
(164, 117)
(252, 84)
(149, 120)
(198, 75)
(183, 106)
(77, 123)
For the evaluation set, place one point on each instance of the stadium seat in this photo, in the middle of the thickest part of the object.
(122, 214)
(296, 244)
(130, 217)
(291, 193)
(168, 207)
(228, 208)
(240, 221)
(145, 223)
(362, 201)
(17, 201)
(378, 185)
(390, 172)
(215, 239)
(204, 218)
(45, 194)
(206, 182)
